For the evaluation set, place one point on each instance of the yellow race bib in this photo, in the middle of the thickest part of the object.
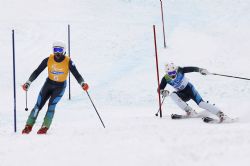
(58, 71)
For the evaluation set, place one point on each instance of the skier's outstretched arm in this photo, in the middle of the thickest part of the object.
(189, 69)
(35, 74)
(77, 75)
(194, 69)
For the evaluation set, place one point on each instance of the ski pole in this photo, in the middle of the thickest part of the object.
(156, 114)
(95, 108)
(26, 97)
(230, 76)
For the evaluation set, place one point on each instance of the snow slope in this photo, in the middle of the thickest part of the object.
(112, 48)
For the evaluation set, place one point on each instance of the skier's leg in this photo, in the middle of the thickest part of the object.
(41, 100)
(211, 108)
(55, 98)
(182, 104)
(205, 105)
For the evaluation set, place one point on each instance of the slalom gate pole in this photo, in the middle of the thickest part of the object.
(69, 56)
(14, 77)
(163, 26)
(157, 70)
(95, 109)
(230, 76)
(26, 101)
(156, 114)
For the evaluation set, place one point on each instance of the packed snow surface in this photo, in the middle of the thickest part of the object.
(112, 46)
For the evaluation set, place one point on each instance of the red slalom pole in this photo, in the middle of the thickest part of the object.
(157, 69)
(163, 26)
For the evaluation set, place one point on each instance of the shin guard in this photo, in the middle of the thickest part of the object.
(209, 107)
(183, 105)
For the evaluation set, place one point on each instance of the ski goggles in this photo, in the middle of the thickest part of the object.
(172, 73)
(58, 49)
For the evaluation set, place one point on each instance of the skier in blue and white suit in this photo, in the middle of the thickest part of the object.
(184, 90)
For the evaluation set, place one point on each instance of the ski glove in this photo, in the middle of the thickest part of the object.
(85, 86)
(164, 93)
(204, 71)
(26, 85)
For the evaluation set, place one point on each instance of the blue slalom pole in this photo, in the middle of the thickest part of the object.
(69, 56)
(14, 77)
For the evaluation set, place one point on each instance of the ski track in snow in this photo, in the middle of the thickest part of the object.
(112, 47)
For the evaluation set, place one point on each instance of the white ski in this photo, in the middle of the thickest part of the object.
(226, 120)
(177, 116)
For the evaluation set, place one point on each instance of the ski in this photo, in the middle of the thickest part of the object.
(177, 116)
(212, 120)
(205, 119)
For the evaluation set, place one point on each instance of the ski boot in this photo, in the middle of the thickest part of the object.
(190, 111)
(221, 116)
(27, 129)
(42, 130)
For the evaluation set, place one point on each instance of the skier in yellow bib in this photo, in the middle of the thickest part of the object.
(53, 89)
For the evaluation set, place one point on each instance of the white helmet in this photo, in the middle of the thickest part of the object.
(171, 69)
(59, 44)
